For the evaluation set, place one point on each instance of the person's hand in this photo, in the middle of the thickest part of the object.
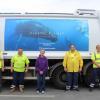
(65, 69)
(11, 70)
(26, 70)
(98, 65)
(80, 69)
(2, 69)
(41, 72)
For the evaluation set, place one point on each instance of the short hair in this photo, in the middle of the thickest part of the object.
(71, 45)
(98, 45)
(20, 48)
(42, 49)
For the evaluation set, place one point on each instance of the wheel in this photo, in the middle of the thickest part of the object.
(88, 74)
(59, 77)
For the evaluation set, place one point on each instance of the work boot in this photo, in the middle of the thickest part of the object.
(13, 88)
(43, 92)
(76, 88)
(68, 88)
(0, 87)
(37, 91)
(91, 87)
(21, 88)
(99, 85)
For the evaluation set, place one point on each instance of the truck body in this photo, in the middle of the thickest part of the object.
(52, 31)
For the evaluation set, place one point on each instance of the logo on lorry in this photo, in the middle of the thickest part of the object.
(51, 34)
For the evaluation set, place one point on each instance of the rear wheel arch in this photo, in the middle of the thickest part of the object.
(87, 72)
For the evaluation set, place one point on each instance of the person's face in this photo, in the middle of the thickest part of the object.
(72, 48)
(98, 48)
(42, 52)
(20, 51)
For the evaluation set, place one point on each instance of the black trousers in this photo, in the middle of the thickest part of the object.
(0, 79)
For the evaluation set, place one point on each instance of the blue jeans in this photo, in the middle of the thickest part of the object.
(72, 79)
(18, 78)
(95, 76)
(41, 82)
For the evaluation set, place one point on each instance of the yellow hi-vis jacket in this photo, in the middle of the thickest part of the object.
(19, 62)
(1, 59)
(96, 58)
(73, 61)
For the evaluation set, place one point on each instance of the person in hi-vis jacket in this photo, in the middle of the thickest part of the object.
(73, 64)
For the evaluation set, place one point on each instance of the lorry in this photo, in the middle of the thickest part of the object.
(54, 32)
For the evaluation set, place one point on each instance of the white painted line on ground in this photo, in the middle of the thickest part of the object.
(23, 96)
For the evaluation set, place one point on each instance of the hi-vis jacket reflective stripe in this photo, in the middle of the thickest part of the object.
(73, 61)
(96, 58)
(1, 59)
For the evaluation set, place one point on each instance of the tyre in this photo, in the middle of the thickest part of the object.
(59, 77)
(88, 74)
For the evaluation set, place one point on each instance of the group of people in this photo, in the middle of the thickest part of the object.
(20, 65)
(72, 63)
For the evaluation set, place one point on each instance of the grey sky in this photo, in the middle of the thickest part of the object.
(47, 5)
